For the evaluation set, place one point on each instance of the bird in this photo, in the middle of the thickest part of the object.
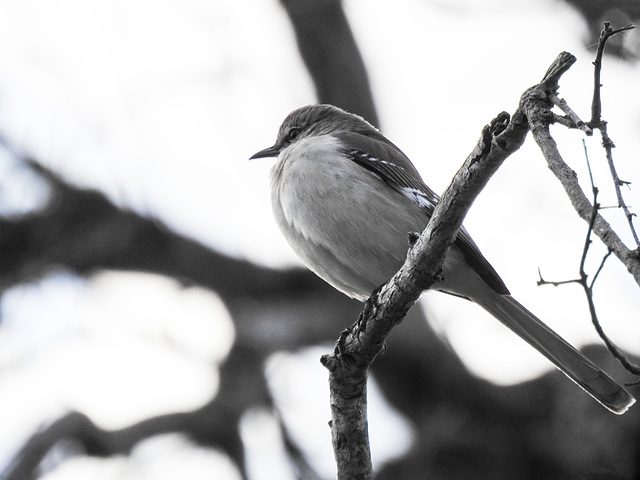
(346, 199)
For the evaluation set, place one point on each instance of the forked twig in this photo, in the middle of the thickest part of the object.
(587, 286)
(596, 122)
(575, 121)
(606, 34)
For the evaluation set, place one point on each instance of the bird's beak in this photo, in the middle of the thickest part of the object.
(267, 152)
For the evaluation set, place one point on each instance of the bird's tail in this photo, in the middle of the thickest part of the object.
(569, 360)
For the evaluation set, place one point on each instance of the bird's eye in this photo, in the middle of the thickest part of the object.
(293, 133)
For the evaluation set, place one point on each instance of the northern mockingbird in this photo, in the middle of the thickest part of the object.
(346, 199)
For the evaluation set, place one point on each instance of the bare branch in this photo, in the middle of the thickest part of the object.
(573, 116)
(556, 283)
(597, 122)
(588, 287)
(536, 107)
(588, 290)
(606, 33)
(358, 346)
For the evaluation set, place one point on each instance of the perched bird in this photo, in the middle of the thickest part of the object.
(346, 199)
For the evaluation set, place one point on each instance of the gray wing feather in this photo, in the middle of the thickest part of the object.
(403, 177)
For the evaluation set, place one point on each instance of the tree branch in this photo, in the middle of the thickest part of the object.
(358, 347)
(537, 108)
(606, 33)
(331, 55)
(215, 424)
(587, 287)
(575, 121)
(597, 122)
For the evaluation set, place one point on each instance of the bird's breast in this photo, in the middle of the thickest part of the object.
(341, 219)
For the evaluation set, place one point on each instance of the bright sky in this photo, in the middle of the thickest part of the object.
(160, 103)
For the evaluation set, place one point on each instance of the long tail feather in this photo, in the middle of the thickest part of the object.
(569, 360)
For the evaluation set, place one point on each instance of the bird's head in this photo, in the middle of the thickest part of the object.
(315, 120)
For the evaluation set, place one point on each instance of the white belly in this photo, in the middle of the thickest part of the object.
(344, 222)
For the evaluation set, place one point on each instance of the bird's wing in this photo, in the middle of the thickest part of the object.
(401, 175)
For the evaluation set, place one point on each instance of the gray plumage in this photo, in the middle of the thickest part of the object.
(346, 198)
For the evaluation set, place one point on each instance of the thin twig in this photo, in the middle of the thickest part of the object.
(588, 290)
(600, 267)
(573, 116)
(536, 106)
(587, 242)
(566, 121)
(569, 181)
(617, 183)
(587, 287)
(556, 283)
(606, 34)
(597, 123)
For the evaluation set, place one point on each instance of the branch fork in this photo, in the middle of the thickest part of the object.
(358, 346)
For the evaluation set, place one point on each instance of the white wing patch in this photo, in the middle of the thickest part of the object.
(398, 178)
(417, 197)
